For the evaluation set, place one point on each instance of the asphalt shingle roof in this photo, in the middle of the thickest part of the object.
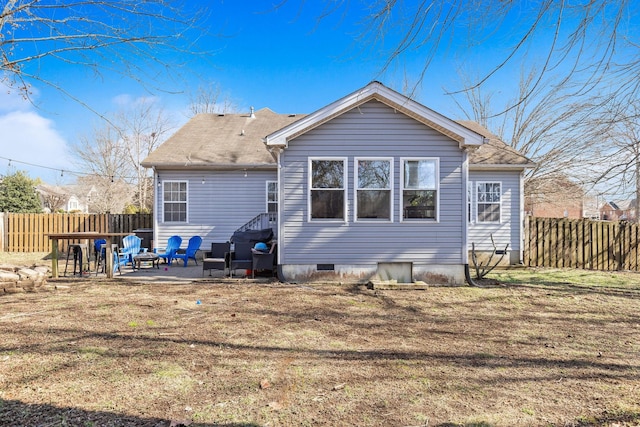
(495, 151)
(229, 140)
(236, 140)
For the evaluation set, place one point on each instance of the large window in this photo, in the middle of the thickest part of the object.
(174, 201)
(489, 195)
(327, 185)
(420, 188)
(272, 196)
(373, 189)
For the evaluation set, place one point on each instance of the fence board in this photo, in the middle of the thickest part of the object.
(597, 245)
(27, 232)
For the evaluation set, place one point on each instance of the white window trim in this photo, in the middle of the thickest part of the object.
(186, 221)
(345, 186)
(437, 189)
(266, 195)
(356, 188)
(470, 203)
(478, 202)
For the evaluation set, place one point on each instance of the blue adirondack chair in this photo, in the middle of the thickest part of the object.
(190, 252)
(130, 248)
(173, 244)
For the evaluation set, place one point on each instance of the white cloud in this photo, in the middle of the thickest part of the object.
(27, 137)
(127, 101)
(12, 99)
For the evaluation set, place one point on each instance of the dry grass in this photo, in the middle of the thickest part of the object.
(551, 351)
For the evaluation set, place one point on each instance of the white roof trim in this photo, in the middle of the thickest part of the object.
(393, 99)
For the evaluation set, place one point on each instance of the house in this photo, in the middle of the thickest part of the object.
(371, 185)
(68, 198)
(555, 197)
(621, 210)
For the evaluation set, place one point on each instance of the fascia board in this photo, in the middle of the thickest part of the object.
(375, 90)
(473, 166)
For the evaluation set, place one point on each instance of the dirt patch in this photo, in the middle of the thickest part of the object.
(241, 353)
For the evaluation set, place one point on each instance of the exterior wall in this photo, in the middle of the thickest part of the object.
(216, 208)
(510, 227)
(356, 248)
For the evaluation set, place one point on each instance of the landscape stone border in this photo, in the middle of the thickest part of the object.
(14, 279)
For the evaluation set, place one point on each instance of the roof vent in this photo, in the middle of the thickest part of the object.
(220, 114)
(252, 115)
(292, 115)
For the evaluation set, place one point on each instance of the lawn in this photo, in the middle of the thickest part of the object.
(544, 348)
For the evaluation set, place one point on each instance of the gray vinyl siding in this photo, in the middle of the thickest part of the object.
(225, 202)
(508, 230)
(373, 130)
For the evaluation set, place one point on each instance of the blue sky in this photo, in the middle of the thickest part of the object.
(261, 57)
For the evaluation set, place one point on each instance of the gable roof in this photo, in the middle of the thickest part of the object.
(221, 140)
(381, 93)
(237, 141)
(495, 152)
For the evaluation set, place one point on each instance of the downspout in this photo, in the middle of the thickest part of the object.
(465, 207)
(280, 273)
(156, 204)
(467, 275)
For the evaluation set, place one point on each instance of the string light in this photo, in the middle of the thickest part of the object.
(62, 171)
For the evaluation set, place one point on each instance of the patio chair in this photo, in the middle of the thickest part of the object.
(241, 257)
(120, 258)
(173, 244)
(130, 247)
(190, 252)
(217, 258)
(263, 260)
(100, 252)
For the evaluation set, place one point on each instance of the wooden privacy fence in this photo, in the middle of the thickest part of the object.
(28, 232)
(581, 243)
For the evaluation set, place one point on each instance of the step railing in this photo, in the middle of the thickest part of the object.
(262, 221)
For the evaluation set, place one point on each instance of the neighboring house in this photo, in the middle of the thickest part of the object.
(373, 183)
(555, 197)
(68, 198)
(621, 210)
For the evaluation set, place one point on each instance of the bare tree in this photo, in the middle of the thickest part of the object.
(128, 37)
(103, 158)
(53, 198)
(546, 123)
(110, 196)
(618, 168)
(142, 129)
(112, 155)
(592, 44)
(207, 99)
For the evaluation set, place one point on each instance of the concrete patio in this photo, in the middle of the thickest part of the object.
(176, 272)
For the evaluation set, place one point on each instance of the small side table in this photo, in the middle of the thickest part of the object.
(151, 257)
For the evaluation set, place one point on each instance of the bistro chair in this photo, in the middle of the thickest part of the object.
(76, 251)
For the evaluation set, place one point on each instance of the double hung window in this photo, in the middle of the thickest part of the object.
(420, 185)
(373, 189)
(327, 198)
(272, 196)
(488, 207)
(174, 201)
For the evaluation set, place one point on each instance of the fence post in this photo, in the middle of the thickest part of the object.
(3, 230)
